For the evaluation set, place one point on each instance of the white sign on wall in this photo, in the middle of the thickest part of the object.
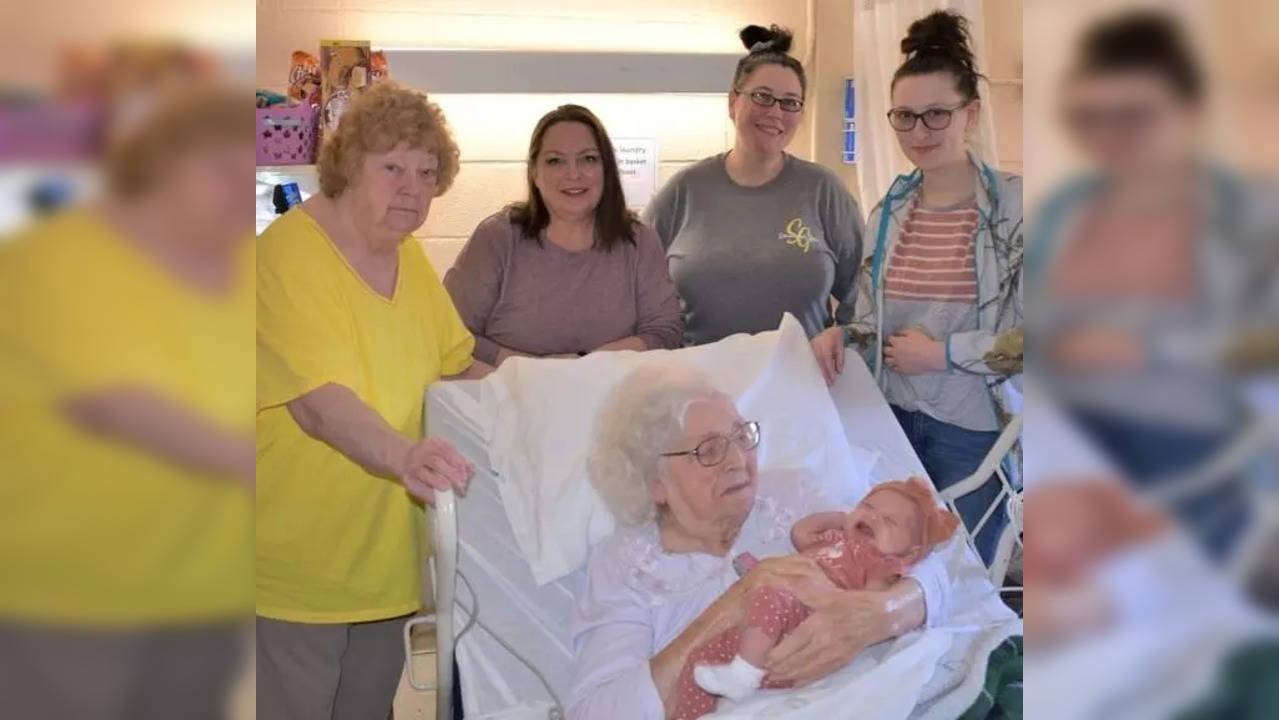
(637, 168)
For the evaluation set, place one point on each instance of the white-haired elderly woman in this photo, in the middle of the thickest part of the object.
(676, 464)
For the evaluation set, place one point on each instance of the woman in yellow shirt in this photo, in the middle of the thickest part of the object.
(353, 325)
(126, 425)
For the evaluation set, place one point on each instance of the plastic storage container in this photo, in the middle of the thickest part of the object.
(287, 135)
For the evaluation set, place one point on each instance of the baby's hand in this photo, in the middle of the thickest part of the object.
(808, 532)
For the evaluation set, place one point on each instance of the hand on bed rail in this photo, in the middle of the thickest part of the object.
(432, 464)
(828, 348)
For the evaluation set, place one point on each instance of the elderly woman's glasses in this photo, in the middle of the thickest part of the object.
(938, 118)
(712, 451)
(763, 98)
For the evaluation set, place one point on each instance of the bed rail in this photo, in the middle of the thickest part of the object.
(443, 565)
(1010, 497)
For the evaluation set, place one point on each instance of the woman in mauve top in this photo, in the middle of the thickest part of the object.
(571, 270)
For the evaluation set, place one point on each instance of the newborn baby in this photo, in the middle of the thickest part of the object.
(891, 529)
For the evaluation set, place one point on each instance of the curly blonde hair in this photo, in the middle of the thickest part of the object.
(643, 413)
(378, 120)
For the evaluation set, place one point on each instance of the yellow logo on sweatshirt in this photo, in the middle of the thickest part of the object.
(797, 234)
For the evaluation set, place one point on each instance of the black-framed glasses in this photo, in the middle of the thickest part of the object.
(764, 98)
(712, 451)
(938, 118)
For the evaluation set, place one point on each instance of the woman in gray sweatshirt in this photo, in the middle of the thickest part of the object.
(754, 233)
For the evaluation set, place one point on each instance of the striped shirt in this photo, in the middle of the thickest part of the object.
(934, 260)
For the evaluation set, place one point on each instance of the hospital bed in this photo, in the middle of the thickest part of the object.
(517, 660)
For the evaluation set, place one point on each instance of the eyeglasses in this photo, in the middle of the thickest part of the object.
(712, 451)
(903, 120)
(763, 98)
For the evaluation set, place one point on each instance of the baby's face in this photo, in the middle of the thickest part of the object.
(889, 520)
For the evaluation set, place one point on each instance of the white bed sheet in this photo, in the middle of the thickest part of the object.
(534, 619)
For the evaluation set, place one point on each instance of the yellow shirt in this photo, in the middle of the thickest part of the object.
(334, 543)
(102, 531)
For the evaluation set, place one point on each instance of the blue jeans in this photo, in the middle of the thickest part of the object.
(951, 453)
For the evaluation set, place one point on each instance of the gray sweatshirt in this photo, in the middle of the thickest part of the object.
(742, 256)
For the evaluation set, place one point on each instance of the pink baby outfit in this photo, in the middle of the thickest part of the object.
(777, 611)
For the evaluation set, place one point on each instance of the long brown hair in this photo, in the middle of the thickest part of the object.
(614, 222)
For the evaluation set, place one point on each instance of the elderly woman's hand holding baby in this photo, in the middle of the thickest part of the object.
(789, 571)
(843, 623)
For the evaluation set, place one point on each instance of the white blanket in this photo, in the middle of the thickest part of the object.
(883, 683)
(540, 415)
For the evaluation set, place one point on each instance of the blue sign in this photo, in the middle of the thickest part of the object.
(850, 124)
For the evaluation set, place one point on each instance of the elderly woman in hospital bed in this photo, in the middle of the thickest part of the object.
(676, 465)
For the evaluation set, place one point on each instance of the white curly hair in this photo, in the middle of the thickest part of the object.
(640, 417)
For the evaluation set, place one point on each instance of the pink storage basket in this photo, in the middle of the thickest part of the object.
(50, 133)
(287, 135)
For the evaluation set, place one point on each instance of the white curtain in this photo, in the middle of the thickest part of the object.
(878, 27)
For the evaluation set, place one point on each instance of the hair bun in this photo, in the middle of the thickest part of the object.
(775, 39)
(940, 33)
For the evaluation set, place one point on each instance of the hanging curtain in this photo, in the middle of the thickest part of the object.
(878, 27)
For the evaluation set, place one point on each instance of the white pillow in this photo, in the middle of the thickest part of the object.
(539, 418)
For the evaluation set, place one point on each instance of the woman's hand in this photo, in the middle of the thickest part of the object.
(783, 570)
(828, 348)
(843, 623)
(913, 351)
(793, 572)
(432, 464)
(729, 610)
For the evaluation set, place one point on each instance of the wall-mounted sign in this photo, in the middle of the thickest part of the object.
(637, 167)
(850, 123)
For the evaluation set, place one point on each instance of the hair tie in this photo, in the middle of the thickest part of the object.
(762, 46)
